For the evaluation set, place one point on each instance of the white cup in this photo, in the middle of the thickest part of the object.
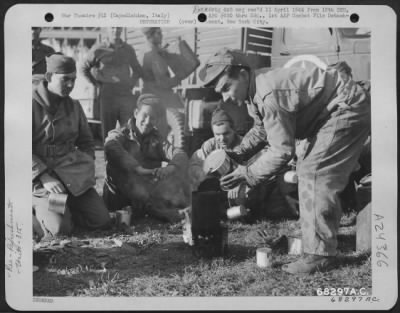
(236, 212)
(290, 177)
(264, 257)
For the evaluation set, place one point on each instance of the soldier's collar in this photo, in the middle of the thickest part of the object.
(135, 133)
(252, 87)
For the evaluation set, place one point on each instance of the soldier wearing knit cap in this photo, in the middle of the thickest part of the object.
(60, 64)
(63, 154)
(220, 116)
(225, 137)
(134, 173)
(223, 129)
(263, 200)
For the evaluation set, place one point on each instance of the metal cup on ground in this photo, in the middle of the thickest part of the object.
(295, 246)
(236, 212)
(264, 257)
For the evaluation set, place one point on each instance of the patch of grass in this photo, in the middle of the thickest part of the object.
(160, 264)
(152, 260)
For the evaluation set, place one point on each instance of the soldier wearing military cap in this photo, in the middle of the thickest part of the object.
(135, 176)
(63, 155)
(328, 109)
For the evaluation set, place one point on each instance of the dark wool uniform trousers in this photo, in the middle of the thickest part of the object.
(324, 169)
(87, 210)
(116, 104)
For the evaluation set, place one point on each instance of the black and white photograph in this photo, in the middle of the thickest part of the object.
(200, 164)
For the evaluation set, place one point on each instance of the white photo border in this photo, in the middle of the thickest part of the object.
(17, 132)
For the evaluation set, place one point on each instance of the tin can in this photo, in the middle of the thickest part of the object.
(236, 212)
(264, 257)
(58, 202)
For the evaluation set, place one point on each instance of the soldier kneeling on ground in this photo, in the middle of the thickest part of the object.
(135, 176)
(264, 201)
(63, 155)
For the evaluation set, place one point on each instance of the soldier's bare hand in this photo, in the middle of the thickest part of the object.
(52, 184)
(233, 179)
(164, 172)
(234, 192)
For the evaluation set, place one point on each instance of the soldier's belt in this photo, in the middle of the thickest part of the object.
(53, 150)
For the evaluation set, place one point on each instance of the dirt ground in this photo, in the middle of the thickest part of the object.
(150, 259)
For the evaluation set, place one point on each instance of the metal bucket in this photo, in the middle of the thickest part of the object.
(218, 162)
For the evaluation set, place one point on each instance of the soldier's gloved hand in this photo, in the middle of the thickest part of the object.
(52, 184)
(163, 172)
(234, 179)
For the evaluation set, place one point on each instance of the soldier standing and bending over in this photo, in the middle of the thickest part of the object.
(296, 103)
(264, 201)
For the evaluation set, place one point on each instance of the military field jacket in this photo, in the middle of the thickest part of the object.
(62, 143)
(288, 104)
